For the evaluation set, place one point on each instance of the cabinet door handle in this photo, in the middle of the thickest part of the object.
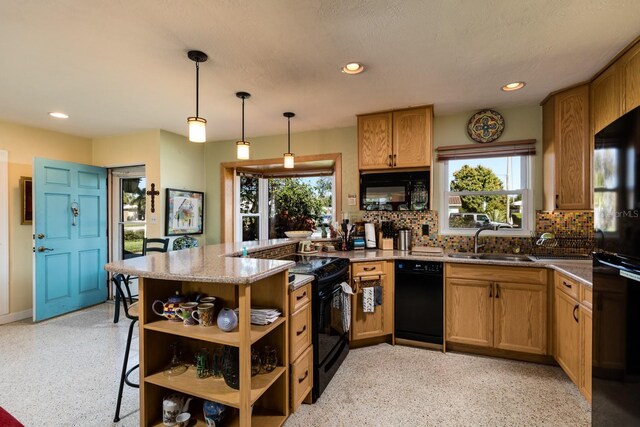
(304, 377)
(491, 290)
(301, 331)
(568, 285)
(497, 290)
(394, 159)
(390, 161)
(368, 268)
(575, 316)
(304, 294)
(557, 197)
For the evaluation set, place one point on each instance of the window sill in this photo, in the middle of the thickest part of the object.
(504, 232)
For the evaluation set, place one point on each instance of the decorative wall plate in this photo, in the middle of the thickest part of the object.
(485, 126)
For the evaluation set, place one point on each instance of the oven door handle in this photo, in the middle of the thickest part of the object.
(331, 292)
(626, 264)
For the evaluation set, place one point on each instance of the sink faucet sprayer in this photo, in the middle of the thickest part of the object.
(476, 246)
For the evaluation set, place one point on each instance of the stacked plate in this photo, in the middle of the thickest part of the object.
(263, 316)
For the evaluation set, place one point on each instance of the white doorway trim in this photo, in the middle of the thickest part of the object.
(4, 233)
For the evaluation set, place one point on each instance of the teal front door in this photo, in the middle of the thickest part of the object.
(70, 226)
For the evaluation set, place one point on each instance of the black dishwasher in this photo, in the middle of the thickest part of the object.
(419, 301)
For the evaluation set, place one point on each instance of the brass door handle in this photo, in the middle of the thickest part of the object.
(43, 249)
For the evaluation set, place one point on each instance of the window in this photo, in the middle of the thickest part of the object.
(487, 191)
(606, 187)
(270, 206)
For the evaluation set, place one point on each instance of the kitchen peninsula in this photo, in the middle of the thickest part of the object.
(258, 280)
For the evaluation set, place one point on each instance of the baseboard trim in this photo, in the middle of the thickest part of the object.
(502, 354)
(14, 317)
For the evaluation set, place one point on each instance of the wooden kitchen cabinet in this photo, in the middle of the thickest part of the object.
(380, 322)
(631, 78)
(567, 150)
(567, 333)
(300, 346)
(395, 139)
(508, 312)
(606, 97)
(572, 331)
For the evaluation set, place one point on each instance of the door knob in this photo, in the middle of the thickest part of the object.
(43, 249)
(40, 236)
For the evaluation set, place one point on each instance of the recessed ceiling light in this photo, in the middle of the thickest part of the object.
(353, 68)
(513, 86)
(58, 115)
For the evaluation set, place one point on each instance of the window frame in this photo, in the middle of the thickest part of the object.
(526, 167)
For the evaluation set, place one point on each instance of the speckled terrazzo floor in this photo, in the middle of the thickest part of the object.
(64, 372)
(401, 386)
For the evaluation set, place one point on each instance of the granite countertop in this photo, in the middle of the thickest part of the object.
(205, 264)
(221, 263)
(300, 280)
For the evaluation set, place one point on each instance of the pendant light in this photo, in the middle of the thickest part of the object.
(242, 147)
(288, 156)
(197, 125)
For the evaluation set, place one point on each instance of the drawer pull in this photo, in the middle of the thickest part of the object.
(300, 332)
(568, 285)
(306, 374)
(304, 294)
(368, 268)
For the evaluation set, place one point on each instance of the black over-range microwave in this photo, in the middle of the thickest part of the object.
(394, 191)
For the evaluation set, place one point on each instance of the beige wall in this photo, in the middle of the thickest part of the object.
(342, 140)
(520, 123)
(141, 148)
(23, 144)
(181, 167)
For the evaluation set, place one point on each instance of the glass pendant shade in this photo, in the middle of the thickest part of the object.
(242, 150)
(288, 160)
(197, 129)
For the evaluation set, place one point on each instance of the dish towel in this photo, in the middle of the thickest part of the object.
(344, 299)
(378, 295)
(368, 297)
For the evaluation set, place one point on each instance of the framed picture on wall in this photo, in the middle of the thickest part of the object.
(185, 212)
(26, 196)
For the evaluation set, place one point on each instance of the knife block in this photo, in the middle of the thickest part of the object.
(385, 243)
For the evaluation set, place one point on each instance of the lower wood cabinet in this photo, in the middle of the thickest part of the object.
(378, 323)
(572, 331)
(507, 313)
(300, 345)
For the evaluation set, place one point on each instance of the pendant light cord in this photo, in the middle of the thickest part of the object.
(243, 119)
(197, 86)
(289, 135)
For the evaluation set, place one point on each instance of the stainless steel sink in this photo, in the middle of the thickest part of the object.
(492, 257)
(501, 257)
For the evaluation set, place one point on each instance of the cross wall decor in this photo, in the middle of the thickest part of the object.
(153, 193)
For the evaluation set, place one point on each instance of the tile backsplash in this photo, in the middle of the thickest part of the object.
(568, 223)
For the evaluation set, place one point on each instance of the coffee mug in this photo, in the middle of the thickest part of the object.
(204, 314)
(205, 300)
(185, 312)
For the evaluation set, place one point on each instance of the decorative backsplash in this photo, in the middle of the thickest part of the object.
(274, 253)
(574, 223)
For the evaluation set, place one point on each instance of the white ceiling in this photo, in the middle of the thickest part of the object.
(120, 66)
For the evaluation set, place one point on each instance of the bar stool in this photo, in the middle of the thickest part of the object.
(131, 312)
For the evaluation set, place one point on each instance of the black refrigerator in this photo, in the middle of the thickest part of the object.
(616, 274)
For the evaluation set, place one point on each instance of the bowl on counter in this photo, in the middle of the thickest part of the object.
(298, 234)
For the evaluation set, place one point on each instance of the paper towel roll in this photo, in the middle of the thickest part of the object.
(370, 235)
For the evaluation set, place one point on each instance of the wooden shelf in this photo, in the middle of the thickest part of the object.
(215, 388)
(260, 417)
(212, 333)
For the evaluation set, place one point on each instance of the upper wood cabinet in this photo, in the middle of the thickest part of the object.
(396, 139)
(606, 97)
(567, 150)
(631, 78)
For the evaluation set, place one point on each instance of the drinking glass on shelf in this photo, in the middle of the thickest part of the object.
(269, 358)
(255, 362)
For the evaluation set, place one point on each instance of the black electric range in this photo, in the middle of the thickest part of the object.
(329, 337)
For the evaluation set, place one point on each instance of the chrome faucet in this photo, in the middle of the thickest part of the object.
(476, 246)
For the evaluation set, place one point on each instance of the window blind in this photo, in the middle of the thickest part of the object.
(525, 147)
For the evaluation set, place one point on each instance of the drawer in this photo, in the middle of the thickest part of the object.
(367, 268)
(567, 285)
(299, 297)
(299, 332)
(301, 378)
(586, 297)
(496, 273)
